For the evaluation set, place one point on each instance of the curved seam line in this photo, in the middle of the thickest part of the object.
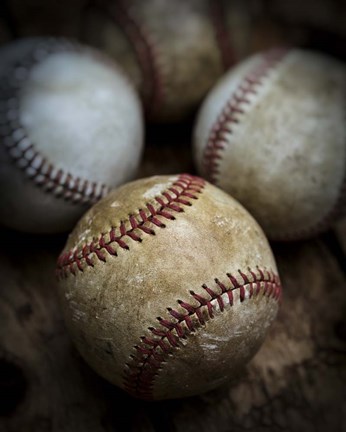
(222, 35)
(229, 115)
(216, 144)
(23, 152)
(146, 52)
(136, 380)
(185, 188)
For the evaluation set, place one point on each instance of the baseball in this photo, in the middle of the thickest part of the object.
(173, 51)
(168, 287)
(71, 127)
(272, 133)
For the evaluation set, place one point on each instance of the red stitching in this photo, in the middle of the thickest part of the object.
(222, 34)
(19, 146)
(72, 261)
(217, 141)
(155, 348)
(147, 56)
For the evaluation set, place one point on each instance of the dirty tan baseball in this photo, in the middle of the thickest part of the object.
(272, 133)
(168, 287)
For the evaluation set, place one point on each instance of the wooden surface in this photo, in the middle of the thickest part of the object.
(296, 382)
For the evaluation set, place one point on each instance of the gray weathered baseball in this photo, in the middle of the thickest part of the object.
(71, 127)
(174, 51)
(168, 287)
(272, 133)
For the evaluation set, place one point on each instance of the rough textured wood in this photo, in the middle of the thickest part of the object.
(296, 382)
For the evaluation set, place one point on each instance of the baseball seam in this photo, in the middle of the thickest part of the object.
(147, 53)
(142, 222)
(232, 111)
(22, 150)
(230, 116)
(222, 35)
(155, 349)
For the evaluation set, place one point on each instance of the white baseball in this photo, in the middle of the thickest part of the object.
(272, 133)
(71, 128)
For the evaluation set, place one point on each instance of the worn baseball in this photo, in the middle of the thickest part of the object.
(174, 51)
(168, 287)
(272, 133)
(71, 128)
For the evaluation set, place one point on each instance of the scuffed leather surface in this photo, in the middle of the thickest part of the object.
(108, 307)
